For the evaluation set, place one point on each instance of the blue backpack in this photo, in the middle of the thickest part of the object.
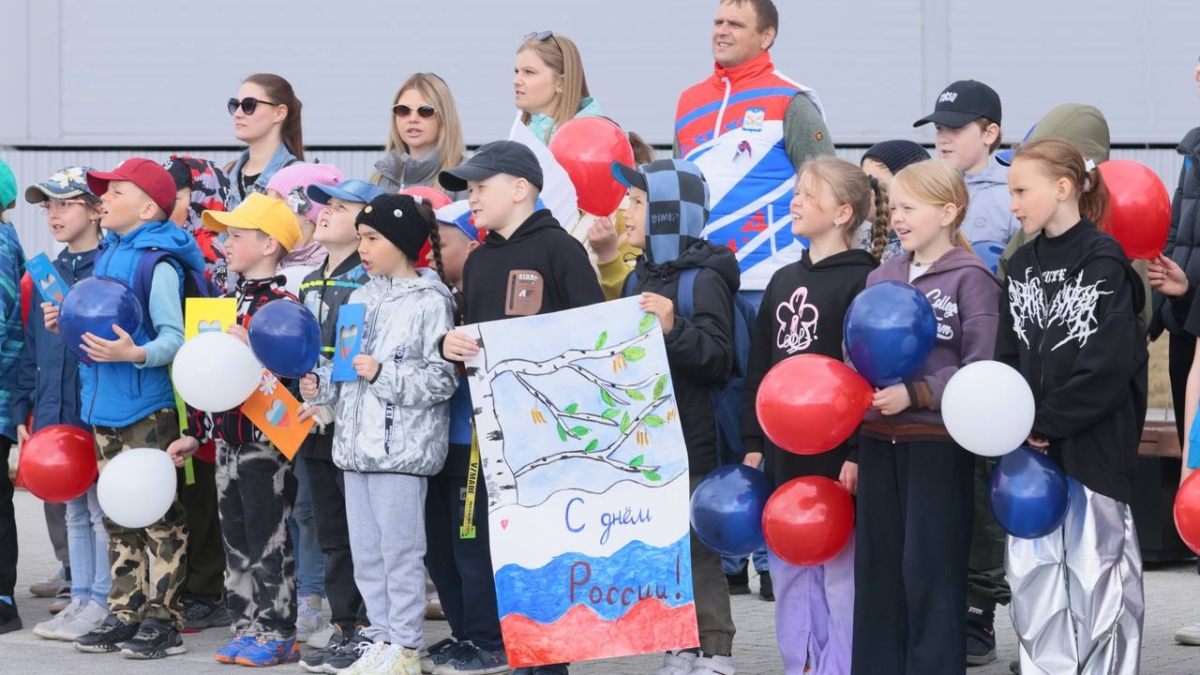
(195, 283)
(726, 399)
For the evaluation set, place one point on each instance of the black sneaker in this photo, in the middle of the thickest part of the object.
(200, 613)
(155, 639)
(739, 582)
(314, 661)
(439, 653)
(766, 590)
(108, 637)
(10, 620)
(344, 656)
(468, 659)
(981, 637)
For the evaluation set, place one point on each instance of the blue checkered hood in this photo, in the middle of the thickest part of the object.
(677, 210)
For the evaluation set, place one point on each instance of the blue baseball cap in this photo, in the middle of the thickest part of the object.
(352, 190)
(66, 183)
(458, 214)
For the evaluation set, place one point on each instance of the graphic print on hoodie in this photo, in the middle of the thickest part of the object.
(700, 347)
(1069, 325)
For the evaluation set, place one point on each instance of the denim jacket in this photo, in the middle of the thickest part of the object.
(282, 157)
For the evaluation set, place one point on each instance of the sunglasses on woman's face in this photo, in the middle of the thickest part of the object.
(402, 111)
(248, 105)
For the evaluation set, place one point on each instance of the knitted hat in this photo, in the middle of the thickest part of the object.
(8, 186)
(896, 155)
(292, 182)
(396, 217)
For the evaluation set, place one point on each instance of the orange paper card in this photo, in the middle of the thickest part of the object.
(276, 412)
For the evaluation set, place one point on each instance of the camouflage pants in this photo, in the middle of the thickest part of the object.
(143, 589)
(256, 488)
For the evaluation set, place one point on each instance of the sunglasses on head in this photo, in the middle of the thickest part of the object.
(541, 36)
(248, 105)
(401, 110)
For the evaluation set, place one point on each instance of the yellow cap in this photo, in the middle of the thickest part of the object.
(259, 212)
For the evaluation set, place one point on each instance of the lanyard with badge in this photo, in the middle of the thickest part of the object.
(467, 530)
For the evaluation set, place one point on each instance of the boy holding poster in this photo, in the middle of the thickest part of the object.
(255, 481)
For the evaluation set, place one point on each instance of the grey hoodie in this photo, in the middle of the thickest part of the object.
(400, 421)
(988, 215)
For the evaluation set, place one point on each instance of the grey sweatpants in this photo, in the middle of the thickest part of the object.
(386, 516)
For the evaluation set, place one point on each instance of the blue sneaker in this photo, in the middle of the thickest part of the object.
(228, 653)
(263, 653)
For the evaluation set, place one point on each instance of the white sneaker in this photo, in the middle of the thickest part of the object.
(49, 627)
(713, 665)
(308, 617)
(368, 662)
(677, 663)
(320, 639)
(1184, 635)
(85, 621)
(406, 662)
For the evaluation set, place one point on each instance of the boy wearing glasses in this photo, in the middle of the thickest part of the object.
(126, 396)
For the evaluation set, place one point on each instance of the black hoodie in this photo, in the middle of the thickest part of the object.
(802, 312)
(1068, 322)
(699, 348)
(539, 269)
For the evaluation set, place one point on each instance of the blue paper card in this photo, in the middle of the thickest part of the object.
(45, 279)
(347, 341)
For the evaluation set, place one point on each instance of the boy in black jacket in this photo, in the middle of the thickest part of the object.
(528, 265)
(668, 208)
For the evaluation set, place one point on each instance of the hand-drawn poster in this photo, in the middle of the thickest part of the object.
(587, 478)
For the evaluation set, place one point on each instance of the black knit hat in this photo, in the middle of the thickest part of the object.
(396, 217)
(896, 155)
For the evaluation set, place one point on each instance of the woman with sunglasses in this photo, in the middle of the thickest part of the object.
(424, 136)
(549, 84)
(266, 117)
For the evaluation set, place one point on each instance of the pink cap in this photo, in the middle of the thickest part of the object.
(292, 181)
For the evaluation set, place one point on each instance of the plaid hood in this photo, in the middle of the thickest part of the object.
(677, 208)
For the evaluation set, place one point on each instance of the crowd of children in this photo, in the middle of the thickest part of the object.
(915, 589)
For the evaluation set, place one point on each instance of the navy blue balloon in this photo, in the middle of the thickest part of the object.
(727, 509)
(889, 331)
(285, 338)
(93, 305)
(989, 252)
(1029, 494)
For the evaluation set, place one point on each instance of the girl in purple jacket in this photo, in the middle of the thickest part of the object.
(915, 487)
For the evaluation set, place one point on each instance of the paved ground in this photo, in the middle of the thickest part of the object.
(1171, 596)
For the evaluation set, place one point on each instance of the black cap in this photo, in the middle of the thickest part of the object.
(396, 217)
(964, 102)
(507, 157)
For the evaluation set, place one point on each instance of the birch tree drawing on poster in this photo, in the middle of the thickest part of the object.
(587, 477)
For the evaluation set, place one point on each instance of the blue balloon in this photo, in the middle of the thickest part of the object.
(285, 338)
(1029, 494)
(989, 252)
(889, 332)
(93, 305)
(727, 509)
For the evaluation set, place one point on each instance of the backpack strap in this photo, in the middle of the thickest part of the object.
(143, 278)
(685, 300)
(630, 281)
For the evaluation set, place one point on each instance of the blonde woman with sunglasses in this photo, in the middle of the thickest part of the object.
(424, 136)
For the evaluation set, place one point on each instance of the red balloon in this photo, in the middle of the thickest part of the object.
(1187, 511)
(808, 520)
(586, 147)
(1139, 208)
(809, 404)
(436, 198)
(58, 463)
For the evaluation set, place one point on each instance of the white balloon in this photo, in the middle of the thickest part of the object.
(137, 487)
(988, 408)
(215, 372)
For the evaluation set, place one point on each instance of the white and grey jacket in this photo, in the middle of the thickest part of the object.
(400, 421)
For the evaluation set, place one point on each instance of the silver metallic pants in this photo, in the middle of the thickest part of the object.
(1077, 601)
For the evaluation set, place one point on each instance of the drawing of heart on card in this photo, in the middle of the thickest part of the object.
(205, 326)
(347, 339)
(277, 414)
(350, 329)
(49, 284)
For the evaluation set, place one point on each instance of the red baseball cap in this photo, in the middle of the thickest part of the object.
(147, 174)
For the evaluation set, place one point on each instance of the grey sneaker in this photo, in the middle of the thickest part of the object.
(84, 621)
(346, 655)
(438, 653)
(48, 588)
(48, 629)
(469, 659)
